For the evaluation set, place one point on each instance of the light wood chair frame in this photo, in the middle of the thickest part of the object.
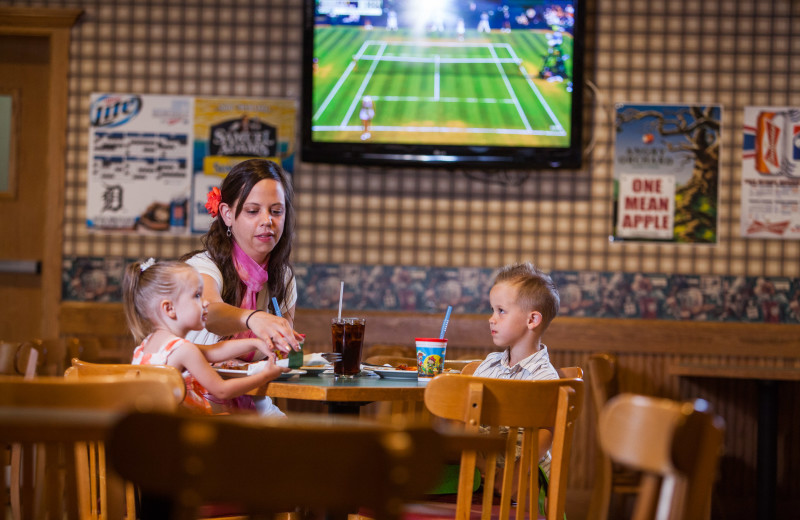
(611, 481)
(529, 405)
(98, 492)
(55, 406)
(676, 445)
(80, 369)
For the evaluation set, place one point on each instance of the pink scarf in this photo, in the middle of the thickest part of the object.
(254, 276)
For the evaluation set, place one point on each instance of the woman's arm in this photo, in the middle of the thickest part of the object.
(189, 357)
(226, 320)
(233, 348)
(282, 337)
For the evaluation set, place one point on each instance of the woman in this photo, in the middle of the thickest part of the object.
(245, 262)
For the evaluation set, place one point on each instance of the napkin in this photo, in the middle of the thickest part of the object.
(255, 368)
(314, 360)
(309, 360)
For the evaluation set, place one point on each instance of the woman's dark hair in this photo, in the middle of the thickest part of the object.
(235, 189)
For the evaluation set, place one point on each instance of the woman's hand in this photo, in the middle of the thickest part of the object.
(275, 331)
(260, 345)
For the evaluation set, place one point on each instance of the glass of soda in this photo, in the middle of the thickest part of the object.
(348, 339)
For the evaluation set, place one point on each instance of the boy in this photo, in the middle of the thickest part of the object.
(524, 301)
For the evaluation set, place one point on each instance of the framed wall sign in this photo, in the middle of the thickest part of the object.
(9, 106)
(666, 172)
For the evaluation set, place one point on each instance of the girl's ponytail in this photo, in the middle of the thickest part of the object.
(138, 323)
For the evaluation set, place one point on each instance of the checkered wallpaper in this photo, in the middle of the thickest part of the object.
(732, 52)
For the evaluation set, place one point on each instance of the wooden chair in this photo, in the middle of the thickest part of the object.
(677, 447)
(612, 483)
(81, 368)
(51, 416)
(51, 353)
(317, 463)
(529, 405)
(470, 368)
(563, 373)
(570, 372)
(96, 491)
(18, 358)
(402, 411)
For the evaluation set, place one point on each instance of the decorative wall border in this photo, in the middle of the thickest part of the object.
(713, 298)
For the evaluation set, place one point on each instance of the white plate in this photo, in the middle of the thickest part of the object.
(229, 373)
(292, 373)
(315, 370)
(392, 373)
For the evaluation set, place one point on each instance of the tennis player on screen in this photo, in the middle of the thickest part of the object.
(366, 114)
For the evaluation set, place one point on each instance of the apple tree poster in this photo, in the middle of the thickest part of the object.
(666, 172)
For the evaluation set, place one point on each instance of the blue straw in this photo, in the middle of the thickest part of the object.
(277, 307)
(446, 321)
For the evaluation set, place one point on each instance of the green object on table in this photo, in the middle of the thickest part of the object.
(296, 358)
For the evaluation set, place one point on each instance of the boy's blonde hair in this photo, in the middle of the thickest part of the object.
(535, 289)
(145, 285)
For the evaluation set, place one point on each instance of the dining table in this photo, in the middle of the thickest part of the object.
(767, 380)
(345, 396)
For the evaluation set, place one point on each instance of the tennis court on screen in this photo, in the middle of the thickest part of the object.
(453, 91)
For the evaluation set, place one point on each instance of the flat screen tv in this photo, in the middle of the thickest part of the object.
(483, 83)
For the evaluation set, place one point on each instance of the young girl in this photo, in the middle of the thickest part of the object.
(163, 301)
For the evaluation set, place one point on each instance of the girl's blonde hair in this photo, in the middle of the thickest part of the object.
(145, 285)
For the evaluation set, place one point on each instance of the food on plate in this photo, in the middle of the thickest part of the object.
(403, 366)
(232, 365)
